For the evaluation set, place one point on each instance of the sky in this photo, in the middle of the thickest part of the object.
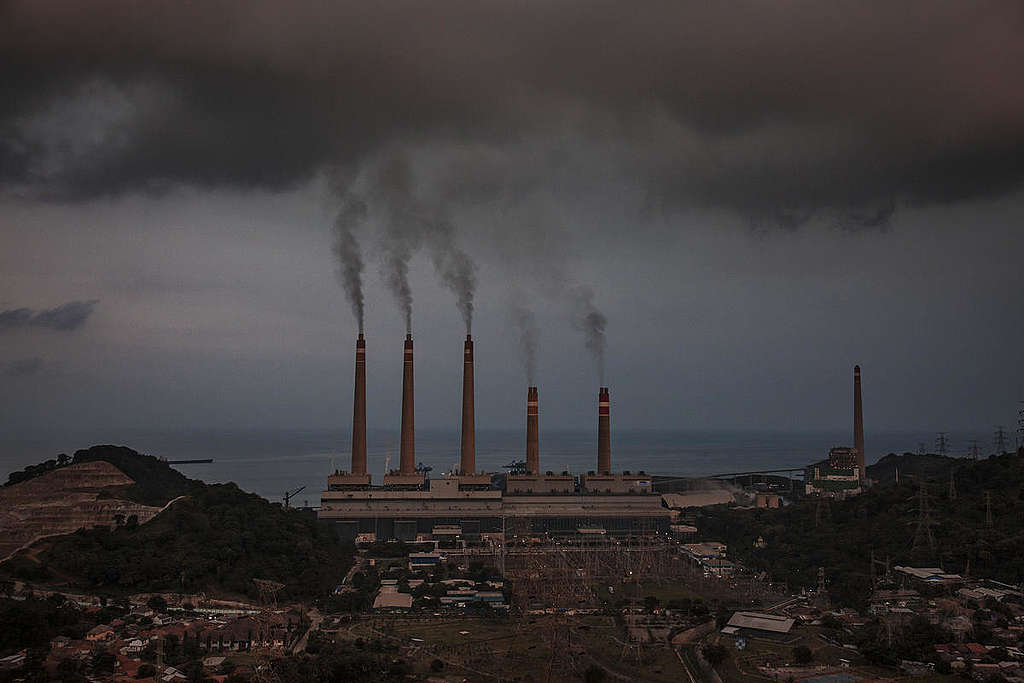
(714, 209)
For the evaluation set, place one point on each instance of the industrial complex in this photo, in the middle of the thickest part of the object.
(408, 504)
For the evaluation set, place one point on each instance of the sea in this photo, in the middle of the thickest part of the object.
(270, 463)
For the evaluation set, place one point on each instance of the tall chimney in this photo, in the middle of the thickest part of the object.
(604, 438)
(359, 410)
(858, 422)
(532, 441)
(408, 447)
(468, 462)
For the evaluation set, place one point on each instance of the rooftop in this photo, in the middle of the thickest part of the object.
(761, 622)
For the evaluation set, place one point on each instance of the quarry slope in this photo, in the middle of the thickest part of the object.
(78, 496)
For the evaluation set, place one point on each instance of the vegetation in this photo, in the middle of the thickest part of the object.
(156, 482)
(329, 661)
(33, 623)
(33, 471)
(216, 540)
(841, 535)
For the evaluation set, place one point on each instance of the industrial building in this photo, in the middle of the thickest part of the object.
(408, 504)
(844, 473)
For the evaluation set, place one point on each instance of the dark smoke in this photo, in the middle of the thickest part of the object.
(591, 322)
(391, 193)
(453, 265)
(350, 258)
(64, 318)
(23, 367)
(526, 323)
(409, 222)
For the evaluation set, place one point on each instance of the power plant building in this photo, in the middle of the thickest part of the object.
(408, 504)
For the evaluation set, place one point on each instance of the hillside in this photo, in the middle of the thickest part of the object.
(912, 465)
(841, 535)
(214, 540)
(63, 500)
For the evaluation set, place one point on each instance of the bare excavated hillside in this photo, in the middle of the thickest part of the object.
(64, 500)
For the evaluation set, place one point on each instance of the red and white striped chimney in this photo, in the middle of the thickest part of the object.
(467, 463)
(532, 439)
(359, 410)
(604, 438)
(408, 441)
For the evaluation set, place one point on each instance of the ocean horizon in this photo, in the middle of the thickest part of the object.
(270, 462)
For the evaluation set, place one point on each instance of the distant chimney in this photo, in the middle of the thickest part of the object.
(359, 410)
(468, 462)
(532, 440)
(858, 422)
(408, 446)
(604, 439)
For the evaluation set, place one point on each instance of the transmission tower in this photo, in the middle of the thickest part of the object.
(974, 450)
(941, 443)
(1020, 426)
(923, 523)
(999, 440)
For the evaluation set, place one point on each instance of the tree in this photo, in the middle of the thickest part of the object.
(103, 662)
(594, 674)
(146, 670)
(715, 654)
(802, 654)
(437, 666)
(651, 603)
(157, 604)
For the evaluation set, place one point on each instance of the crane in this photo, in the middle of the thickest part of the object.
(289, 494)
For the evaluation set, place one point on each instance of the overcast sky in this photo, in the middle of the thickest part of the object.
(736, 202)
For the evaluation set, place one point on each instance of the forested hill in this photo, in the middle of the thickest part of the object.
(156, 482)
(911, 465)
(215, 540)
(841, 535)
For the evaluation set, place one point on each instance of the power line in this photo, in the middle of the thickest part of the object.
(923, 523)
(999, 439)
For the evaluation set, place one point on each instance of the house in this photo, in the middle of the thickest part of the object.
(100, 634)
(756, 624)
(389, 601)
(932, 576)
(134, 647)
(60, 642)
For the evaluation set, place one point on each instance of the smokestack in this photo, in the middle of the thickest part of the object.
(604, 438)
(408, 447)
(858, 422)
(359, 410)
(532, 441)
(468, 462)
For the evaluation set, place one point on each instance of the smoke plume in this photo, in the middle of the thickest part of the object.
(526, 323)
(456, 270)
(391, 192)
(590, 321)
(22, 367)
(350, 258)
(411, 221)
(64, 318)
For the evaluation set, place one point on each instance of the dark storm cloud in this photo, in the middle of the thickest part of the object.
(780, 111)
(65, 318)
(22, 367)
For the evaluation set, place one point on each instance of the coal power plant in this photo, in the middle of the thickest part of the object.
(408, 504)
